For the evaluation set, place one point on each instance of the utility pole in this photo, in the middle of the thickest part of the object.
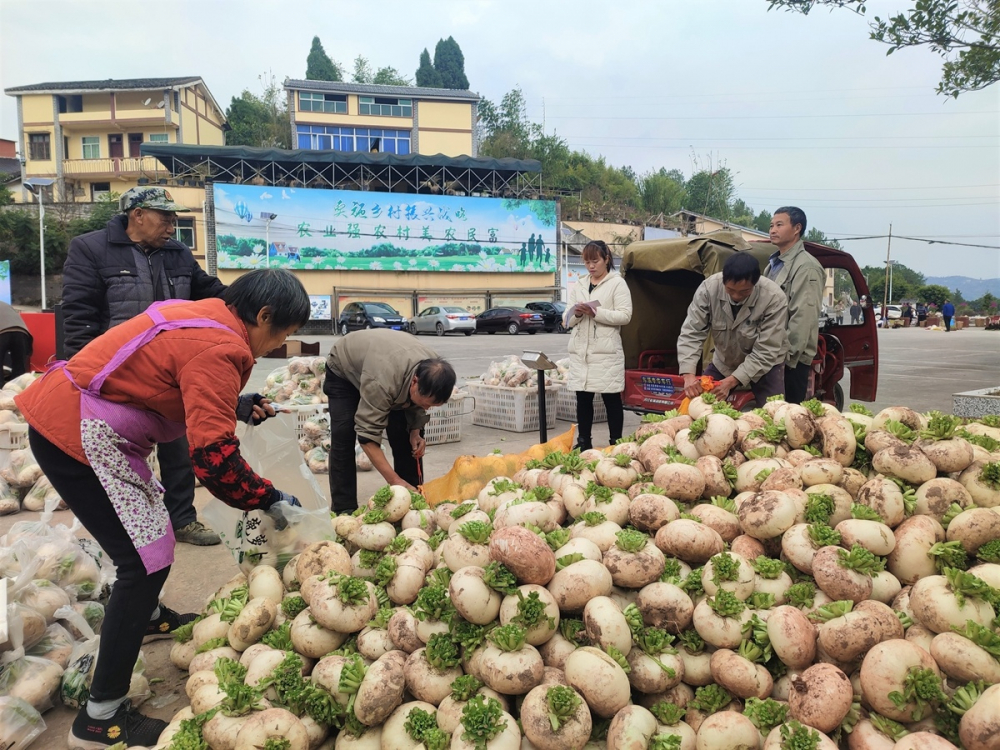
(885, 290)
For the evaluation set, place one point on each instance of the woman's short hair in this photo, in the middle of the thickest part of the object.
(741, 267)
(599, 249)
(436, 379)
(274, 288)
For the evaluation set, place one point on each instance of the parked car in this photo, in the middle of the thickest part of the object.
(895, 312)
(442, 320)
(358, 315)
(510, 319)
(552, 314)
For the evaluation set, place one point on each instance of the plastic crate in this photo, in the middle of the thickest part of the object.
(445, 425)
(302, 413)
(566, 407)
(512, 409)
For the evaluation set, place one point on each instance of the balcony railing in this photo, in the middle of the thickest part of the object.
(126, 165)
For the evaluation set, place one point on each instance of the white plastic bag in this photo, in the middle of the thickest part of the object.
(273, 452)
(20, 724)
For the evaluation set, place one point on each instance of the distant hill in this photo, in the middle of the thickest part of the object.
(969, 287)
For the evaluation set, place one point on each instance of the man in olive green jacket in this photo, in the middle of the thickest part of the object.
(802, 279)
(378, 381)
(746, 316)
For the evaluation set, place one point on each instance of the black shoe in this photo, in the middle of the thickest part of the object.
(583, 446)
(165, 625)
(127, 725)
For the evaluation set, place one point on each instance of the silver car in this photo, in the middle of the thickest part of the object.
(442, 320)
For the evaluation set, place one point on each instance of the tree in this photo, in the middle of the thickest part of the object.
(449, 62)
(259, 121)
(762, 222)
(711, 193)
(966, 35)
(389, 76)
(319, 66)
(362, 70)
(505, 128)
(661, 193)
(933, 293)
(815, 235)
(6, 197)
(427, 76)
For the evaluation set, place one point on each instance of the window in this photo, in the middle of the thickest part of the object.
(91, 147)
(72, 103)
(376, 105)
(38, 147)
(99, 190)
(159, 138)
(336, 138)
(311, 101)
(185, 232)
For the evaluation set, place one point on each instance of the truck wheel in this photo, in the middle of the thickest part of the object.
(838, 396)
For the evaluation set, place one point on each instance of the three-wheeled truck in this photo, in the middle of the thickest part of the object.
(662, 276)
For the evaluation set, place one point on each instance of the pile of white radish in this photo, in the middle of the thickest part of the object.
(791, 578)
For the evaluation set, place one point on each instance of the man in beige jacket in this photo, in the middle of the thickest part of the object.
(802, 279)
(378, 381)
(746, 316)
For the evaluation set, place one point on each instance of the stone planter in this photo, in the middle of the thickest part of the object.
(975, 404)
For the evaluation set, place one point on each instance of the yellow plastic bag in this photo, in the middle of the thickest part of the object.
(471, 473)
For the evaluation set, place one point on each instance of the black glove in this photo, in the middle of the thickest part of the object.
(277, 511)
(244, 408)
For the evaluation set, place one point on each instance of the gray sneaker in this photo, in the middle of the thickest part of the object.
(196, 533)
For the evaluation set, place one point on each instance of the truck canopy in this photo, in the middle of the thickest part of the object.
(662, 276)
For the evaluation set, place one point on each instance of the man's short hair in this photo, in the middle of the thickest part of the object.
(796, 216)
(436, 379)
(741, 267)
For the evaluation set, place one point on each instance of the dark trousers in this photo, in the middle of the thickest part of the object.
(947, 323)
(771, 383)
(797, 383)
(585, 417)
(135, 594)
(16, 345)
(343, 405)
(178, 481)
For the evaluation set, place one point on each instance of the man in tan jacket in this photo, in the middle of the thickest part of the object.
(802, 279)
(378, 381)
(746, 316)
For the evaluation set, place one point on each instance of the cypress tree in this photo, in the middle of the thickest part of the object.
(427, 76)
(449, 62)
(319, 66)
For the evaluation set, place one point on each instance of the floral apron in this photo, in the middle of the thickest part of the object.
(118, 440)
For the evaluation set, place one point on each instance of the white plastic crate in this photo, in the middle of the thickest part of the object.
(445, 425)
(512, 409)
(13, 437)
(302, 413)
(566, 407)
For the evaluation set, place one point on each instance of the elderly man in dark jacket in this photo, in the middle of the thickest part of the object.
(113, 275)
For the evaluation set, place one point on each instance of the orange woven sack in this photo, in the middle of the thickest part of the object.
(471, 473)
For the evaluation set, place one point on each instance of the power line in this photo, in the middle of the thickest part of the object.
(780, 148)
(928, 240)
(751, 197)
(797, 138)
(857, 189)
(783, 116)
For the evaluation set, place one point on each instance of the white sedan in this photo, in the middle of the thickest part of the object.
(441, 320)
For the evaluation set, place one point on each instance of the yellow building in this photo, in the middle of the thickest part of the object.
(86, 136)
(391, 119)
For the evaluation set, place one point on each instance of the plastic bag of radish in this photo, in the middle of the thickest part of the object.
(790, 578)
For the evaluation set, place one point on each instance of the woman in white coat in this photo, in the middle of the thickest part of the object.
(599, 305)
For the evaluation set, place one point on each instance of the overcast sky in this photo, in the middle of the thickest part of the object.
(804, 110)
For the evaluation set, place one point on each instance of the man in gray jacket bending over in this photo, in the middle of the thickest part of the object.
(378, 381)
(747, 317)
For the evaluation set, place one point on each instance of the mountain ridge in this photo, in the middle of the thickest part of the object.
(969, 287)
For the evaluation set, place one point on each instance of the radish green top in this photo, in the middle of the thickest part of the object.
(433, 604)
(464, 687)
(482, 720)
(531, 611)
(631, 540)
(562, 703)
(667, 713)
(477, 532)
(767, 567)
(860, 560)
(499, 578)
(921, 687)
(710, 698)
(724, 568)
(442, 652)
(765, 714)
(726, 604)
(796, 736)
(508, 637)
